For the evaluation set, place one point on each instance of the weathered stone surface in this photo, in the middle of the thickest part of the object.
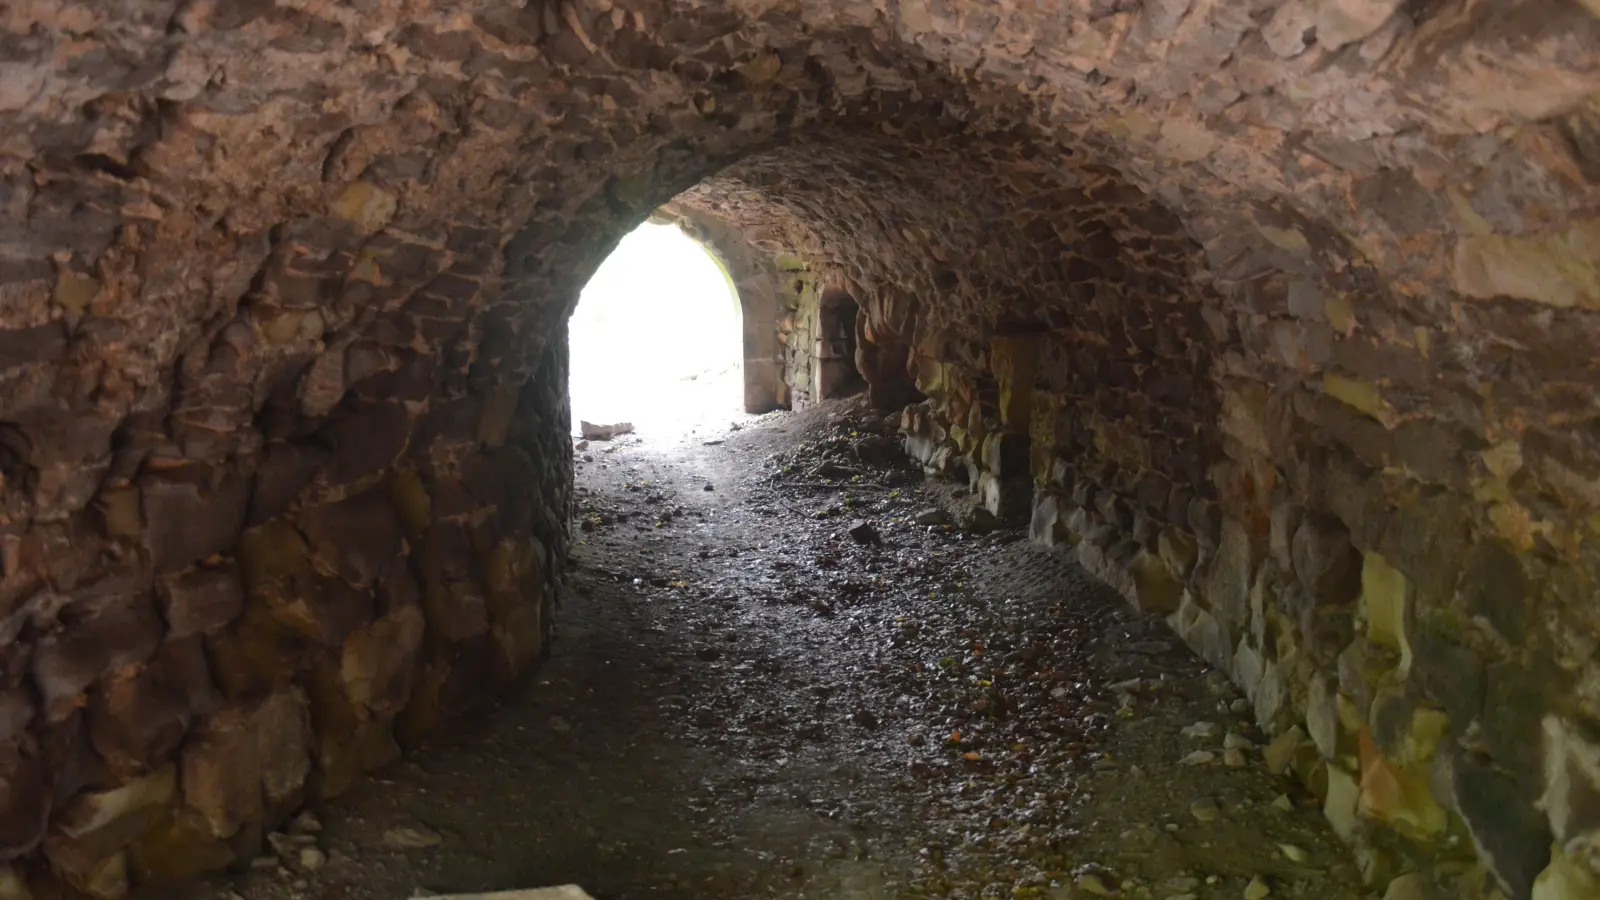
(1189, 270)
(200, 600)
(1511, 837)
(379, 661)
(356, 538)
(139, 714)
(194, 516)
(25, 802)
(1328, 567)
(91, 637)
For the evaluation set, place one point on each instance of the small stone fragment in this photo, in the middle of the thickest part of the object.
(1091, 884)
(1293, 853)
(1256, 889)
(1283, 803)
(1201, 730)
(1280, 753)
(1236, 741)
(312, 859)
(863, 533)
(1205, 809)
(1198, 758)
(405, 838)
(1233, 759)
(933, 516)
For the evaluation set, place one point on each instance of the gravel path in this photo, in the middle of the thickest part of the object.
(745, 700)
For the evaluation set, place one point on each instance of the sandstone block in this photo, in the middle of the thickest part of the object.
(221, 772)
(1495, 588)
(1399, 795)
(178, 847)
(1339, 808)
(1385, 604)
(1341, 22)
(139, 714)
(200, 600)
(1571, 798)
(91, 638)
(1328, 567)
(357, 538)
(1512, 838)
(25, 802)
(1564, 879)
(104, 822)
(379, 662)
(188, 519)
(284, 472)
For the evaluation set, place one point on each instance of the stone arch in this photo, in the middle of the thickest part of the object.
(753, 280)
(1316, 377)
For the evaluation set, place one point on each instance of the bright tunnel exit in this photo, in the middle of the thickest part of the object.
(657, 338)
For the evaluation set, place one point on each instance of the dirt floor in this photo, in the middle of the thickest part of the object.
(746, 700)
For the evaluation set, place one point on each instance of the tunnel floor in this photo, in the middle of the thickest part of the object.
(744, 701)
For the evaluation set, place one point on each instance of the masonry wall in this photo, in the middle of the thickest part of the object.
(1280, 314)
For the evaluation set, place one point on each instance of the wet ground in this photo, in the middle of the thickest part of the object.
(745, 699)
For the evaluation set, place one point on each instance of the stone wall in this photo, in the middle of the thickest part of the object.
(1282, 314)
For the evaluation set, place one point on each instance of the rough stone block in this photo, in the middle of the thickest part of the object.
(368, 441)
(221, 772)
(1565, 879)
(1448, 674)
(1340, 806)
(357, 538)
(177, 848)
(1328, 566)
(200, 600)
(1227, 585)
(187, 518)
(248, 763)
(1571, 798)
(1399, 795)
(139, 714)
(1385, 603)
(92, 637)
(1178, 550)
(327, 612)
(284, 471)
(1511, 836)
(379, 661)
(1495, 588)
(25, 802)
(104, 822)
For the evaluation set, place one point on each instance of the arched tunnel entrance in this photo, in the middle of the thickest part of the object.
(656, 338)
(1278, 319)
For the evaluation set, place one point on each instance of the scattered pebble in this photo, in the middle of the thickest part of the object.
(1198, 758)
(404, 838)
(1205, 809)
(1256, 889)
(1092, 884)
(1201, 730)
(312, 859)
(1233, 758)
(1295, 854)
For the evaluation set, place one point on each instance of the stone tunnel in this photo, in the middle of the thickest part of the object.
(1281, 316)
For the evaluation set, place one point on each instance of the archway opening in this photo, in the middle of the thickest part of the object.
(835, 351)
(656, 338)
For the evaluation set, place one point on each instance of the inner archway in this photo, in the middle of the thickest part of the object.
(655, 338)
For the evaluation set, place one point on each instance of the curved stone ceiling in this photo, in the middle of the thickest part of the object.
(1246, 297)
